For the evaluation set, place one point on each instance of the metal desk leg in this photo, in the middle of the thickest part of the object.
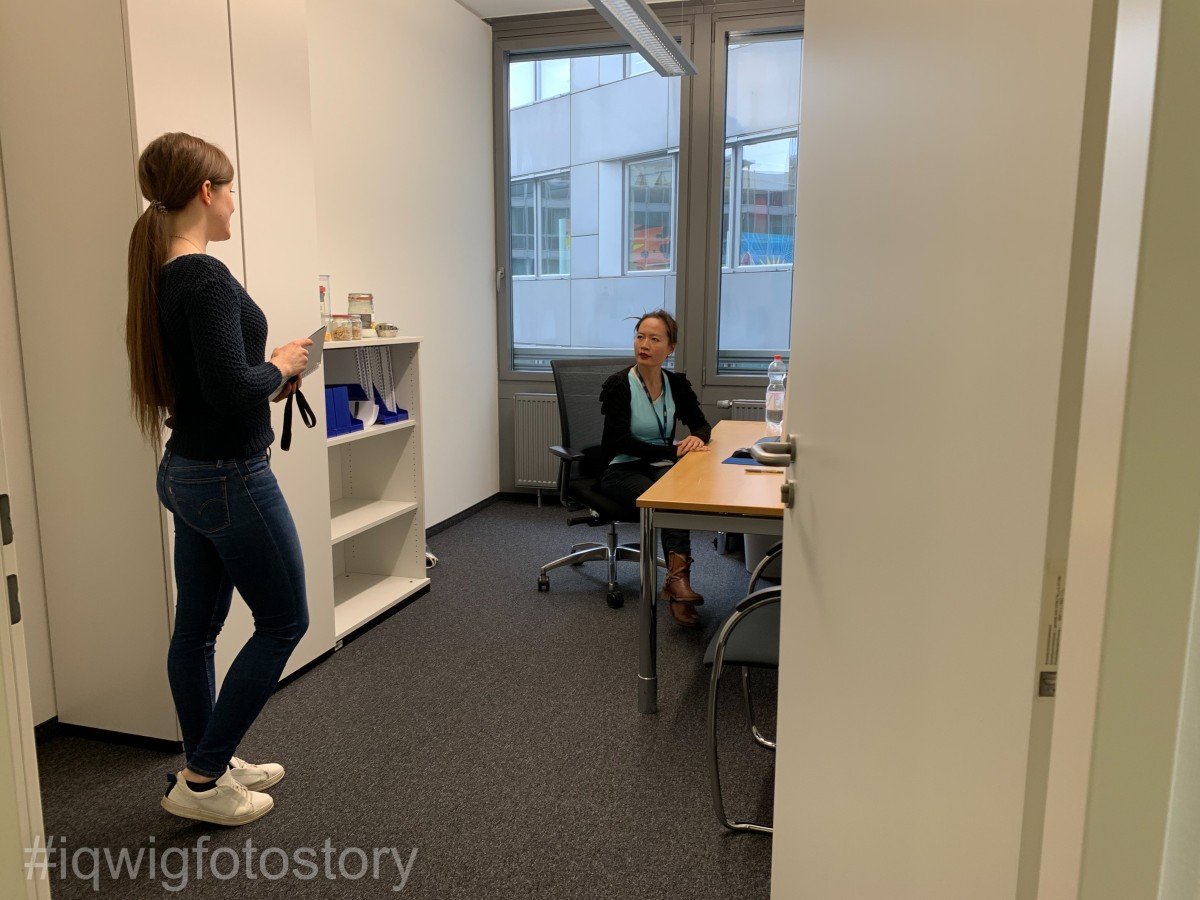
(648, 620)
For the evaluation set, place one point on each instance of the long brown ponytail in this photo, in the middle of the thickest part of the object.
(171, 170)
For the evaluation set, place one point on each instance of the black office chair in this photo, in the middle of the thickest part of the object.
(748, 638)
(577, 383)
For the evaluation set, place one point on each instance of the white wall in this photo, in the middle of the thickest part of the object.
(402, 130)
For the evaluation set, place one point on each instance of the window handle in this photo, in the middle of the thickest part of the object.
(500, 279)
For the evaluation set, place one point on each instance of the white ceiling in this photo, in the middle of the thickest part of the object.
(491, 9)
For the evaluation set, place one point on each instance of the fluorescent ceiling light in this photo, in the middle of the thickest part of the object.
(637, 24)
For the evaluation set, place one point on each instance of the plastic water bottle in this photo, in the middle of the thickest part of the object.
(776, 389)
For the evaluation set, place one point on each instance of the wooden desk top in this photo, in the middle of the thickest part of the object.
(701, 482)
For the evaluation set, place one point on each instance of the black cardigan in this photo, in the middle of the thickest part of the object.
(615, 403)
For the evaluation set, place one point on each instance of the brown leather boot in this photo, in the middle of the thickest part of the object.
(677, 586)
(684, 613)
(678, 589)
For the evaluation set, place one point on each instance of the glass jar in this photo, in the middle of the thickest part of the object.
(356, 328)
(363, 306)
(341, 327)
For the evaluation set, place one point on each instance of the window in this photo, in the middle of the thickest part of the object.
(637, 218)
(758, 201)
(650, 215)
(541, 79)
(592, 209)
(765, 188)
(522, 227)
(540, 226)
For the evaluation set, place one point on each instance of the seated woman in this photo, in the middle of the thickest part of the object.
(640, 406)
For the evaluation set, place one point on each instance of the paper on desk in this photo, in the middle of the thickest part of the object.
(314, 359)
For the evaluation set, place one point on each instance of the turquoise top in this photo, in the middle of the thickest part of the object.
(646, 421)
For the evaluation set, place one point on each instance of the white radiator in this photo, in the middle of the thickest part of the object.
(535, 429)
(744, 410)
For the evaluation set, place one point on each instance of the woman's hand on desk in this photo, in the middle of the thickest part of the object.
(689, 444)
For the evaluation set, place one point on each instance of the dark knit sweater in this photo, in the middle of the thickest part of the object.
(215, 338)
(615, 399)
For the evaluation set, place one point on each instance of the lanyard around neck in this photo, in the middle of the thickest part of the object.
(661, 423)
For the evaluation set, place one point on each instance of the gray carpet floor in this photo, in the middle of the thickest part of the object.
(489, 728)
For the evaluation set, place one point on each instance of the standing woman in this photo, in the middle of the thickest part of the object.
(196, 343)
(641, 405)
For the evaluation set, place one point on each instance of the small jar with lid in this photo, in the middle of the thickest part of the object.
(363, 306)
(341, 327)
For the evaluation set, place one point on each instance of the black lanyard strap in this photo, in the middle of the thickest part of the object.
(662, 424)
(306, 415)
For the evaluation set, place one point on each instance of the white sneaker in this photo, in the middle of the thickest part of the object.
(255, 777)
(229, 803)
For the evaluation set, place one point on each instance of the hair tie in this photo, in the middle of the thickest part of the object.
(159, 205)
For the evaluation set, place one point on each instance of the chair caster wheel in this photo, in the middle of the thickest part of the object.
(615, 599)
(543, 583)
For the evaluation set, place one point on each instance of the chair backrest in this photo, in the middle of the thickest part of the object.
(577, 383)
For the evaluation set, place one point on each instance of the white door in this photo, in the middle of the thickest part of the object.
(939, 160)
(21, 831)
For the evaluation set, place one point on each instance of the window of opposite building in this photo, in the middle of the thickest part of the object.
(540, 226)
(649, 215)
(614, 206)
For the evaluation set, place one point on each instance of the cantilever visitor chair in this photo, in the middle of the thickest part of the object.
(748, 638)
(577, 384)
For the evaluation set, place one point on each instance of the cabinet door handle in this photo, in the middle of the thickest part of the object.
(6, 536)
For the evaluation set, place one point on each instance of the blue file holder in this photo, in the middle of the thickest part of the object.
(338, 420)
(387, 416)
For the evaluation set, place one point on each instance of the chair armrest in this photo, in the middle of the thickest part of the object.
(566, 454)
(568, 458)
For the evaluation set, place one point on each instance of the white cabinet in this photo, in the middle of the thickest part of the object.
(376, 499)
(105, 540)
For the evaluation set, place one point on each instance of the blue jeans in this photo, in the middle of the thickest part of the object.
(232, 529)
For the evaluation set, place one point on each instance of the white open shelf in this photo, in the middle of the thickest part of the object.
(359, 598)
(371, 431)
(369, 342)
(350, 516)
